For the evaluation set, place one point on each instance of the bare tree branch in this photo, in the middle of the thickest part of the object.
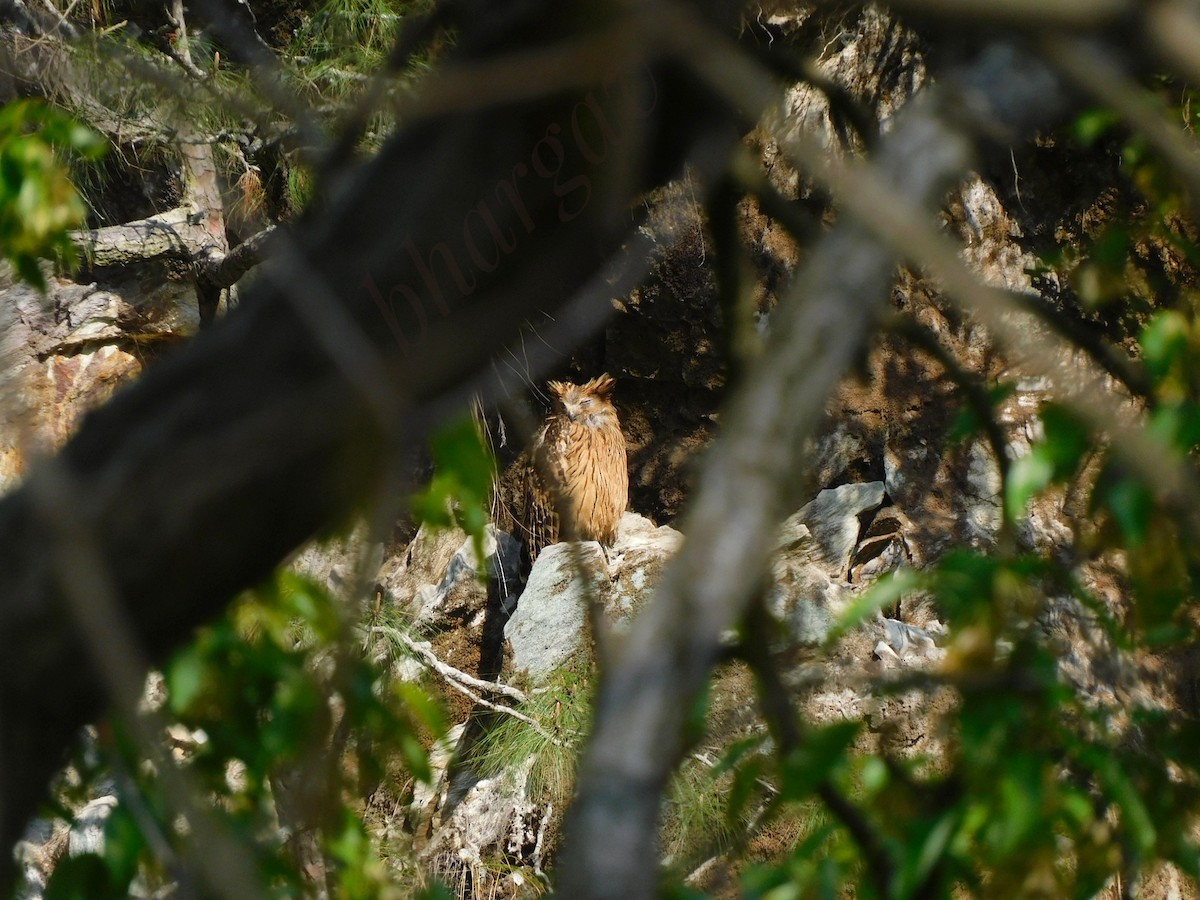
(644, 698)
(195, 481)
(240, 260)
(176, 232)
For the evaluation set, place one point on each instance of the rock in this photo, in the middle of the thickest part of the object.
(636, 563)
(548, 624)
(423, 563)
(65, 353)
(493, 819)
(802, 596)
(982, 495)
(437, 579)
(338, 563)
(37, 853)
(794, 537)
(427, 797)
(87, 834)
(884, 548)
(836, 455)
(907, 645)
(833, 519)
(805, 600)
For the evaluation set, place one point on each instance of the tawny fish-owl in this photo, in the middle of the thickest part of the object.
(578, 466)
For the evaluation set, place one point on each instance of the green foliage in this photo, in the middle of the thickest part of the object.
(282, 705)
(299, 186)
(1044, 787)
(343, 44)
(1052, 461)
(352, 33)
(696, 820)
(38, 203)
(562, 709)
(465, 471)
(1040, 792)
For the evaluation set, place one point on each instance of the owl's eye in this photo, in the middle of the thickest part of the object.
(587, 401)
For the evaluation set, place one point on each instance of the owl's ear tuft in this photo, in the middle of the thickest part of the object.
(557, 388)
(602, 385)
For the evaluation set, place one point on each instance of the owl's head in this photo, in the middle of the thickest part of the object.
(587, 404)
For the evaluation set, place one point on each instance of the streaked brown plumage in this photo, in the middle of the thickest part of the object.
(578, 465)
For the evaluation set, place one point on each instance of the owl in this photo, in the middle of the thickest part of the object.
(578, 467)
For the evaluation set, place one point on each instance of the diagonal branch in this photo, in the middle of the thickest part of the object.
(241, 259)
(176, 232)
(815, 334)
(380, 313)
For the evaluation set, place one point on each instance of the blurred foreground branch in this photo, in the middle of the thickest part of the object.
(379, 315)
(657, 674)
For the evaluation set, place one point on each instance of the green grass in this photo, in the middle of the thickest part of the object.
(563, 710)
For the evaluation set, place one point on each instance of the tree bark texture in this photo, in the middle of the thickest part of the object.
(485, 212)
(653, 680)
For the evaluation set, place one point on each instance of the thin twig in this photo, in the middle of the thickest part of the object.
(506, 710)
(460, 680)
(448, 671)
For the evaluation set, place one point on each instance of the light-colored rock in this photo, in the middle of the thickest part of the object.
(884, 548)
(549, 622)
(982, 493)
(438, 578)
(423, 563)
(636, 563)
(65, 353)
(904, 644)
(833, 519)
(493, 819)
(805, 600)
(833, 454)
(339, 563)
(87, 834)
(802, 597)
(37, 853)
(427, 797)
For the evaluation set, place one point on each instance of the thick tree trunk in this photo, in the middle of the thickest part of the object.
(378, 316)
(176, 232)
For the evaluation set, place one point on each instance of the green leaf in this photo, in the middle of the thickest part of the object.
(38, 203)
(1067, 439)
(885, 592)
(123, 846)
(83, 877)
(745, 785)
(925, 850)
(1135, 817)
(459, 491)
(424, 708)
(812, 763)
(185, 677)
(436, 891)
(1028, 476)
(1091, 125)
(966, 423)
(1056, 457)
(1132, 506)
(1163, 341)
